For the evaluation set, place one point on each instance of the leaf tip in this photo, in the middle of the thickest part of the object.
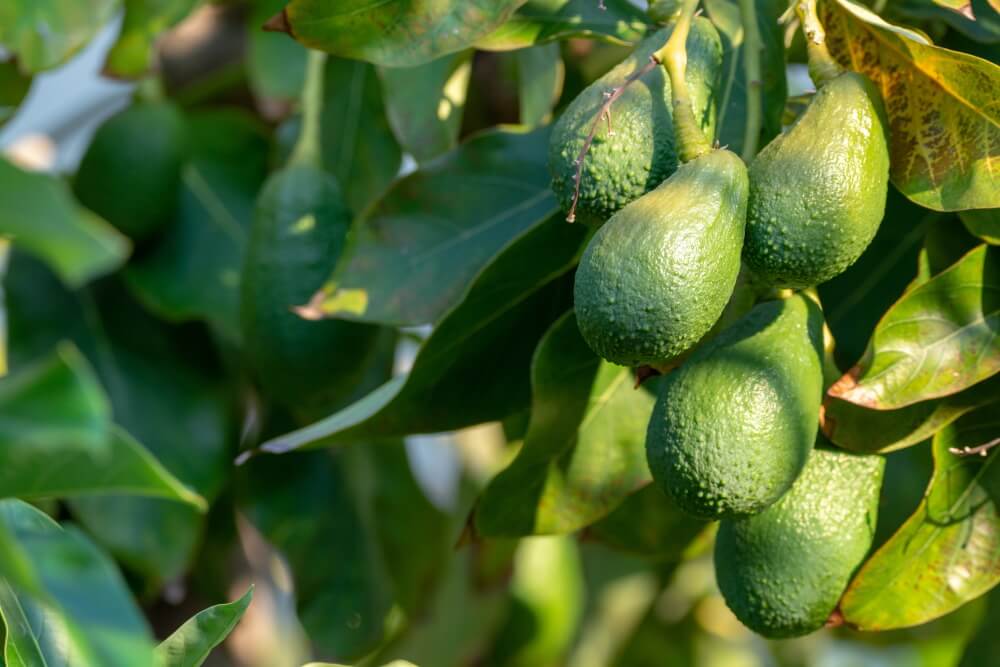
(278, 23)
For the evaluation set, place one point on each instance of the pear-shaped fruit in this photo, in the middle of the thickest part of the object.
(131, 172)
(299, 231)
(641, 152)
(656, 277)
(817, 192)
(783, 571)
(733, 426)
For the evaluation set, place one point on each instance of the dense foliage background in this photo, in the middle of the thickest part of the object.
(150, 470)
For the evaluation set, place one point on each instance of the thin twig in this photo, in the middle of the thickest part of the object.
(604, 111)
(981, 450)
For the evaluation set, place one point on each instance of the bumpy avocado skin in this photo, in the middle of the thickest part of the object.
(783, 571)
(655, 278)
(642, 152)
(300, 229)
(817, 192)
(732, 427)
(131, 172)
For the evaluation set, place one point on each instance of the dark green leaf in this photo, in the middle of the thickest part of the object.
(191, 644)
(585, 447)
(540, 74)
(14, 87)
(938, 339)
(854, 301)
(474, 366)
(649, 524)
(864, 430)
(87, 618)
(985, 643)
(52, 408)
(424, 104)
(133, 54)
(309, 507)
(975, 27)
(733, 103)
(45, 33)
(948, 552)
(193, 273)
(393, 33)
(40, 216)
(541, 21)
(984, 223)
(414, 256)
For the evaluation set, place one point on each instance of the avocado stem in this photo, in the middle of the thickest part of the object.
(822, 66)
(691, 141)
(602, 113)
(307, 148)
(752, 48)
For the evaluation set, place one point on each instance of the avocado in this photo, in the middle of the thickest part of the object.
(131, 172)
(655, 278)
(299, 231)
(783, 571)
(733, 426)
(642, 152)
(818, 191)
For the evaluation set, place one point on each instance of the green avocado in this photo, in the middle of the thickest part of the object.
(656, 277)
(733, 426)
(131, 172)
(299, 231)
(783, 571)
(642, 151)
(817, 192)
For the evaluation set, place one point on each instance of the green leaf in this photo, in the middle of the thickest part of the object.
(276, 65)
(880, 431)
(938, 339)
(133, 53)
(424, 104)
(191, 644)
(984, 223)
(194, 272)
(4, 261)
(14, 86)
(391, 32)
(540, 74)
(87, 617)
(309, 507)
(943, 120)
(648, 523)
(542, 21)
(585, 447)
(50, 409)
(733, 104)
(985, 643)
(40, 216)
(948, 552)
(474, 346)
(413, 257)
(45, 33)
(957, 14)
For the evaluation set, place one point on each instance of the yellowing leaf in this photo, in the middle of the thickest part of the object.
(942, 108)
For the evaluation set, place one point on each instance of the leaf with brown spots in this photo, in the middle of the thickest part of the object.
(948, 551)
(941, 337)
(393, 33)
(943, 108)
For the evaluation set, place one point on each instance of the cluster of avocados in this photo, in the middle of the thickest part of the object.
(733, 436)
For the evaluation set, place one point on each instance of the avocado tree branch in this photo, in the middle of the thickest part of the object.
(307, 148)
(822, 66)
(752, 47)
(603, 113)
(691, 141)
